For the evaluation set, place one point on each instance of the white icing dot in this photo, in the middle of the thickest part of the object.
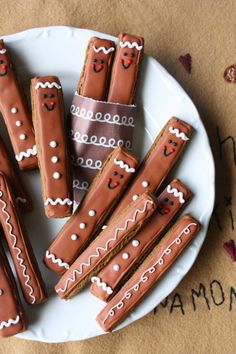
(104, 227)
(22, 136)
(74, 237)
(135, 243)
(1, 292)
(14, 110)
(145, 184)
(82, 225)
(56, 175)
(125, 255)
(116, 267)
(92, 212)
(54, 159)
(53, 143)
(135, 197)
(18, 123)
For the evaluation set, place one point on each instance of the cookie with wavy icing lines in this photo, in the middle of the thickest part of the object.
(150, 271)
(125, 69)
(12, 315)
(110, 279)
(16, 114)
(101, 198)
(97, 67)
(159, 161)
(106, 245)
(50, 133)
(21, 251)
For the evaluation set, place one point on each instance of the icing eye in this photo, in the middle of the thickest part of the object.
(101, 61)
(1, 61)
(115, 173)
(125, 54)
(166, 200)
(174, 143)
(170, 141)
(51, 95)
(132, 55)
(45, 95)
(121, 176)
(94, 60)
(171, 202)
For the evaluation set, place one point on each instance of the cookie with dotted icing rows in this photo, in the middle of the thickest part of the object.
(101, 198)
(125, 69)
(97, 67)
(109, 280)
(20, 248)
(50, 133)
(16, 114)
(12, 316)
(106, 245)
(150, 271)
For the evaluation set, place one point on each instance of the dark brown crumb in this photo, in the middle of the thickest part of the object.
(230, 73)
(230, 248)
(186, 61)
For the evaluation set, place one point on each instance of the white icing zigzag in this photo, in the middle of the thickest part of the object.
(21, 200)
(101, 118)
(10, 322)
(86, 163)
(78, 185)
(58, 201)
(3, 51)
(18, 250)
(102, 141)
(103, 49)
(57, 261)
(144, 278)
(27, 153)
(124, 166)
(130, 45)
(98, 249)
(47, 85)
(102, 285)
(176, 193)
(178, 134)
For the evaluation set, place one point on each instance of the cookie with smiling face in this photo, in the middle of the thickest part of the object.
(125, 69)
(49, 124)
(97, 67)
(110, 279)
(16, 114)
(98, 203)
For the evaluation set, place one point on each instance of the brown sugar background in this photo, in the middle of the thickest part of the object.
(200, 315)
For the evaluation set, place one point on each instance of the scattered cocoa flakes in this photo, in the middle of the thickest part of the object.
(230, 73)
(230, 248)
(186, 61)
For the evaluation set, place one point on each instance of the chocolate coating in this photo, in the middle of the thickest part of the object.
(48, 119)
(106, 245)
(19, 246)
(146, 276)
(14, 109)
(12, 315)
(159, 161)
(100, 198)
(96, 71)
(125, 69)
(129, 257)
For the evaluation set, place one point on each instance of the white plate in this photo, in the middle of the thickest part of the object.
(60, 51)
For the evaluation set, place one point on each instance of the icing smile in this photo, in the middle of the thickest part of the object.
(163, 210)
(167, 152)
(3, 70)
(126, 64)
(97, 68)
(49, 107)
(112, 185)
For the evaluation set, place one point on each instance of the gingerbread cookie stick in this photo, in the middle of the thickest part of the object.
(48, 119)
(97, 67)
(156, 264)
(15, 113)
(12, 316)
(22, 198)
(108, 281)
(106, 245)
(103, 194)
(125, 69)
(19, 246)
(159, 161)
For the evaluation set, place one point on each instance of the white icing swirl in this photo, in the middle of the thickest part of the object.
(178, 133)
(10, 322)
(124, 165)
(47, 85)
(176, 193)
(29, 152)
(130, 45)
(102, 285)
(103, 49)
(56, 260)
